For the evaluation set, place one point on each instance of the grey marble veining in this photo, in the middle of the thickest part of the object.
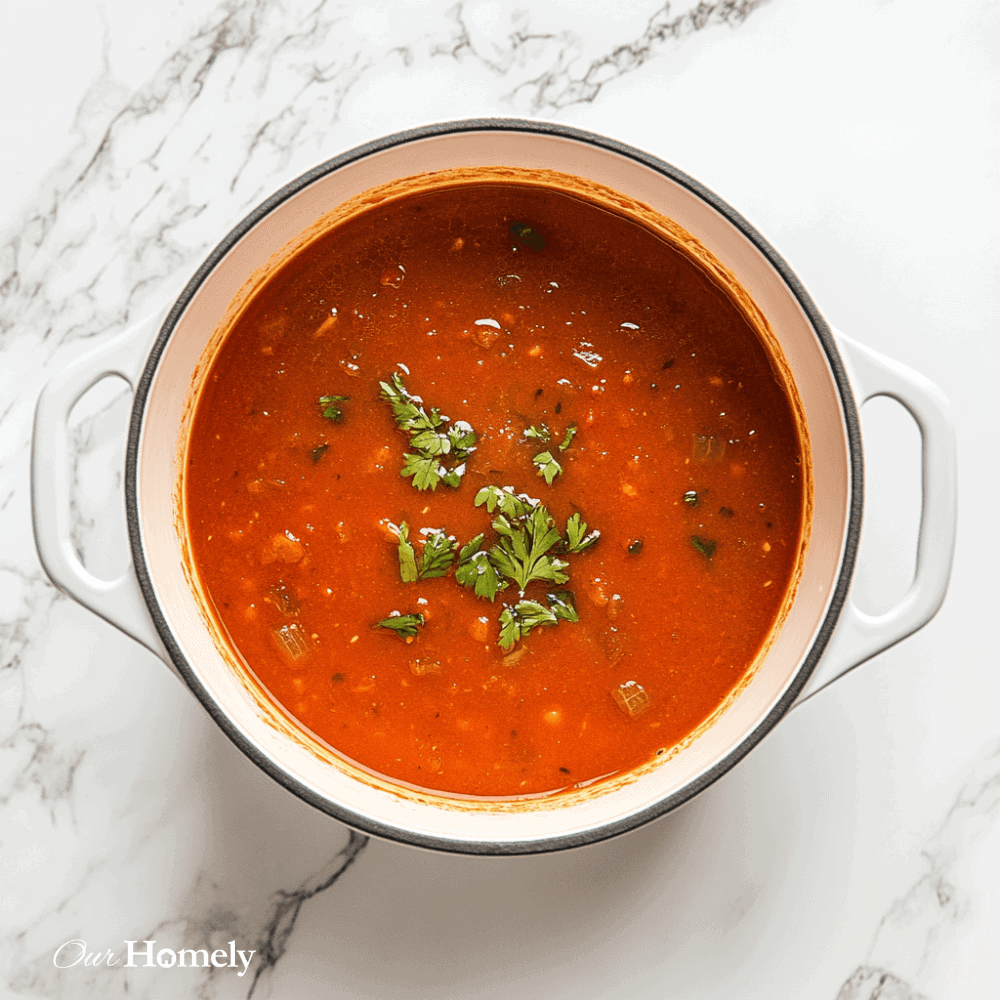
(921, 921)
(124, 813)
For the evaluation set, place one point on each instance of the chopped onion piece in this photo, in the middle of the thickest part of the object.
(611, 640)
(421, 668)
(485, 337)
(284, 600)
(511, 658)
(282, 547)
(632, 698)
(707, 448)
(292, 640)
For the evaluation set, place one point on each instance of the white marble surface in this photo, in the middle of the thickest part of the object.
(854, 855)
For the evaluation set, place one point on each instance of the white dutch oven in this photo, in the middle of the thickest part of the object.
(823, 636)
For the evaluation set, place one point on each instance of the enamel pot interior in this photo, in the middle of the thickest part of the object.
(260, 729)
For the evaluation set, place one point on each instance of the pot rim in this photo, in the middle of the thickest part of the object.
(347, 815)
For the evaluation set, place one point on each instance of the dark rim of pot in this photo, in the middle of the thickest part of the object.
(670, 802)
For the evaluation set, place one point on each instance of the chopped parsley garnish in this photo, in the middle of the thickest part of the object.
(431, 443)
(634, 548)
(407, 557)
(577, 539)
(426, 471)
(474, 569)
(409, 415)
(563, 605)
(704, 545)
(548, 467)
(332, 411)
(545, 462)
(527, 534)
(691, 498)
(518, 620)
(508, 502)
(568, 440)
(462, 439)
(528, 547)
(439, 551)
(522, 553)
(405, 626)
(318, 452)
(442, 450)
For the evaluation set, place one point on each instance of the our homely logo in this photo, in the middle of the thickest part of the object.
(75, 953)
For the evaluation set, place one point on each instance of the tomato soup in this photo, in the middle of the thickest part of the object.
(496, 490)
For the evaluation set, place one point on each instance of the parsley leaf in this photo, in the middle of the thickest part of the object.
(704, 545)
(691, 498)
(568, 440)
(439, 551)
(470, 548)
(405, 626)
(526, 534)
(516, 622)
(547, 466)
(462, 438)
(563, 605)
(474, 569)
(410, 417)
(332, 411)
(509, 502)
(522, 552)
(407, 557)
(431, 436)
(577, 539)
(539, 433)
(426, 470)
(454, 478)
(431, 443)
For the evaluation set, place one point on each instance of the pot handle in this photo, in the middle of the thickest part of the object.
(120, 601)
(859, 636)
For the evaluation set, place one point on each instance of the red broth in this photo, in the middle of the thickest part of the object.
(508, 306)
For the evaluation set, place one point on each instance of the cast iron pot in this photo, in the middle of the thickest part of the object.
(823, 636)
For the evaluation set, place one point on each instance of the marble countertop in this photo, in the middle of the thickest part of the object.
(855, 854)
